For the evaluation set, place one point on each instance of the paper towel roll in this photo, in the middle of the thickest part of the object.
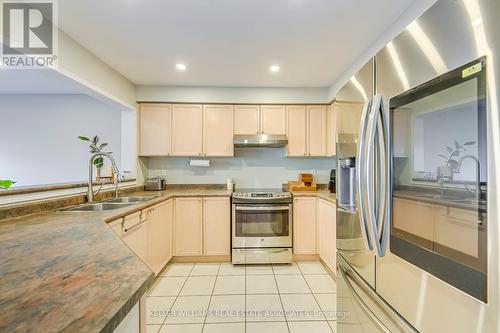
(199, 163)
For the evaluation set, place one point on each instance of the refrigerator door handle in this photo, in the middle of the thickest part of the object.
(360, 174)
(370, 175)
(386, 195)
(395, 317)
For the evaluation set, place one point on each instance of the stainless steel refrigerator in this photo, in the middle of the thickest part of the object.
(418, 153)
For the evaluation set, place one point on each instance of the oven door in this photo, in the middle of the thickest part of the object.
(262, 225)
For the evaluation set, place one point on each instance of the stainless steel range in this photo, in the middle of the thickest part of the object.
(261, 227)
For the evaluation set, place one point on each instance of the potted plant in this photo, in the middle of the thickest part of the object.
(95, 147)
(6, 183)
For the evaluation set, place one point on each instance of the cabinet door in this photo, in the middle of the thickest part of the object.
(457, 229)
(218, 130)
(327, 233)
(217, 226)
(187, 130)
(331, 137)
(154, 129)
(296, 130)
(160, 235)
(134, 233)
(304, 225)
(246, 119)
(416, 219)
(348, 117)
(316, 130)
(273, 119)
(188, 227)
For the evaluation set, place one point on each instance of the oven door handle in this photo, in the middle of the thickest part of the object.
(261, 208)
(264, 251)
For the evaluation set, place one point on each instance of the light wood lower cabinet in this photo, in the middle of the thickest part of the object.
(414, 217)
(457, 229)
(304, 225)
(216, 226)
(188, 230)
(133, 231)
(148, 234)
(160, 235)
(202, 226)
(327, 233)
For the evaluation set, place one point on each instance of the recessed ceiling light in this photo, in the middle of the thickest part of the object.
(181, 67)
(274, 68)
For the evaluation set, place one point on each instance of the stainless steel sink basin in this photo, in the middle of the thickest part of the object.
(131, 199)
(98, 207)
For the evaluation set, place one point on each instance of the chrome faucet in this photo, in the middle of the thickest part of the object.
(90, 192)
(478, 174)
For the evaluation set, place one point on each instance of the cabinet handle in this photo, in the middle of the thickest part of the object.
(132, 227)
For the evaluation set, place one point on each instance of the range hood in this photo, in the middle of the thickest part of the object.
(260, 140)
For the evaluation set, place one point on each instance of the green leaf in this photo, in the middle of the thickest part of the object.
(457, 145)
(102, 145)
(6, 183)
(470, 143)
(95, 140)
(83, 138)
(449, 149)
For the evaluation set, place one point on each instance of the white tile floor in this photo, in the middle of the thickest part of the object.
(195, 298)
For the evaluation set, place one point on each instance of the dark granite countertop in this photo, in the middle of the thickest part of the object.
(68, 271)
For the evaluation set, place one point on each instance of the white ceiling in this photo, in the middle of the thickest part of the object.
(229, 43)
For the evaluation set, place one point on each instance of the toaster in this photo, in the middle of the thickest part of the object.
(155, 184)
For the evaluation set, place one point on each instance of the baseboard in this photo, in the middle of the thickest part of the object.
(305, 257)
(330, 271)
(201, 259)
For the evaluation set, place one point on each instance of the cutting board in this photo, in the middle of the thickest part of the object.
(296, 186)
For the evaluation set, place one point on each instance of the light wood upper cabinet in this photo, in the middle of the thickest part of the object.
(348, 117)
(316, 130)
(327, 230)
(155, 129)
(246, 119)
(272, 119)
(331, 137)
(187, 130)
(304, 225)
(297, 130)
(160, 234)
(217, 226)
(188, 226)
(218, 130)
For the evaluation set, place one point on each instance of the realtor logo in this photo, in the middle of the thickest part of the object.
(29, 33)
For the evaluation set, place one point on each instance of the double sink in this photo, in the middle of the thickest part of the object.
(110, 204)
(453, 199)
